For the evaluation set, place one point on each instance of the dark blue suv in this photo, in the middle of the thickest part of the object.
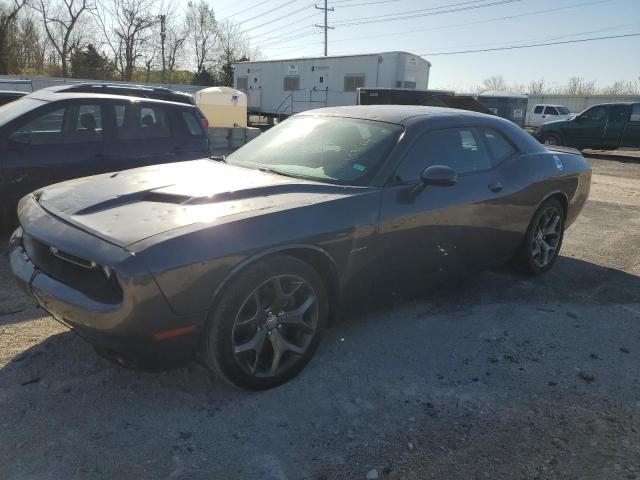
(58, 134)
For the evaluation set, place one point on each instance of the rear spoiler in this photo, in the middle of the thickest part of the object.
(559, 149)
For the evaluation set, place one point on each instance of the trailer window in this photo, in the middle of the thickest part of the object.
(353, 82)
(291, 83)
(409, 84)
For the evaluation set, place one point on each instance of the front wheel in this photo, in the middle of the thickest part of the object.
(551, 139)
(543, 239)
(267, 324)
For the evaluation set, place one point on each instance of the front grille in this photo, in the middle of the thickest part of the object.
(79, 273)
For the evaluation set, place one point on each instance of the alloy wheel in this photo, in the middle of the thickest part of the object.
(546, 237)
(275, 325)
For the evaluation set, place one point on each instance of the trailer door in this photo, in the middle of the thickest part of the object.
(320, 92)
(254, 92)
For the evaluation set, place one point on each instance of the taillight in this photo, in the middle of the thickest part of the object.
(204, 122)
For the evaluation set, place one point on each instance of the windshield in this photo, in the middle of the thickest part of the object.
(563, 110)
(13, 110)
(328, 149)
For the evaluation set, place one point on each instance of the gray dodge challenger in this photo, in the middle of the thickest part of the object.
(242, 261)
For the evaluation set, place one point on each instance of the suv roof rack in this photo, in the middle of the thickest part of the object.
(129, 89)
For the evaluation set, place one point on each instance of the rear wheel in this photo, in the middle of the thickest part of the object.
(268, 323)
(543, 239)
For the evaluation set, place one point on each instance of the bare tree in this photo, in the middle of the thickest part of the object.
(61, 23)
(203, 35)
(494, 84)
(175, 40)
(8, 16)
(31, 47)
(234, 45)
(127, 27)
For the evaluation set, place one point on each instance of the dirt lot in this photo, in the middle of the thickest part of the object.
(502, 377)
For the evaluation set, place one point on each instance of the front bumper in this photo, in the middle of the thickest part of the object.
(128, 324)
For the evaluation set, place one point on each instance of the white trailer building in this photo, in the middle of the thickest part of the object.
(284, 87)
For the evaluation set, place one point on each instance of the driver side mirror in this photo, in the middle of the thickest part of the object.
(19, 140)
(439, 176)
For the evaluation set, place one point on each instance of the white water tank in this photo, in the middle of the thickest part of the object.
(224, 107)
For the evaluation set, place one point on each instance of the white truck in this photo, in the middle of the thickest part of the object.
(543, 113)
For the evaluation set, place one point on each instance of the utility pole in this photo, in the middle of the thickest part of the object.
(326, 27)
(163, 36)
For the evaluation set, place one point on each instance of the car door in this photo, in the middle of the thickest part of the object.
(587, 129)
(549, 115)
(535, 118)
(631, 134)
(443, 229)
(619, 116)
(142, 135)
(60, 141)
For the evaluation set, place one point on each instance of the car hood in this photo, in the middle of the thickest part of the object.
(129, 206)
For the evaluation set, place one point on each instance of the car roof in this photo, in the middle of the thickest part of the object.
(392, 113)
(53, 94)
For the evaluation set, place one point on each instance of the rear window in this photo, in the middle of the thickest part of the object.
(193, 124)
(138, 121)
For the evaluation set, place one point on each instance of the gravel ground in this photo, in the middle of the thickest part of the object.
(500, 377)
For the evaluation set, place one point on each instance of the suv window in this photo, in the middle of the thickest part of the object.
(45, 129)
(499, 146)
(595, 114)
(193, 124)
(538, 109)
(140, 122)
(550, 111)
(620, 113)
(458, 148)
(71, 124)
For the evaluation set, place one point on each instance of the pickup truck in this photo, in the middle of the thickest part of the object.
(602, 127)
(544, 113)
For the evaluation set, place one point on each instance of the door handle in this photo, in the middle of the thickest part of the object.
(495, 187)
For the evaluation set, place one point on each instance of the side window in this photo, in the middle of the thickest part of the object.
(458, 148)
(538, 109)
(499, 146)
(353, 82)
(193, 124)
(88, 125)
(635, 113)
(595, 114)
(620, 113)
(141, 122)
(43, 130)
(550, 111)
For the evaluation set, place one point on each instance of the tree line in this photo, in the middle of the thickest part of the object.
(129, 40)
(575, 86)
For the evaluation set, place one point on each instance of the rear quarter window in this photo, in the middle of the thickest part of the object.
(499, 147)
(192, 122)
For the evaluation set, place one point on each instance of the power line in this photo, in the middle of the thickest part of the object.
(269, 11)
(412, 13)
(285, 26)
(514, 47)
(278, 19)
(465, 24)
(259, 4)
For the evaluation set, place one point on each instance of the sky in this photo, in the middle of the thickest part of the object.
(284, 29)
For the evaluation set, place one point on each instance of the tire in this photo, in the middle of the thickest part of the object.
(252, 322)
(551, 139)
(530, 258)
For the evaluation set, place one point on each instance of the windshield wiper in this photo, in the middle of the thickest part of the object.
(219, 158)
(277, 172)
